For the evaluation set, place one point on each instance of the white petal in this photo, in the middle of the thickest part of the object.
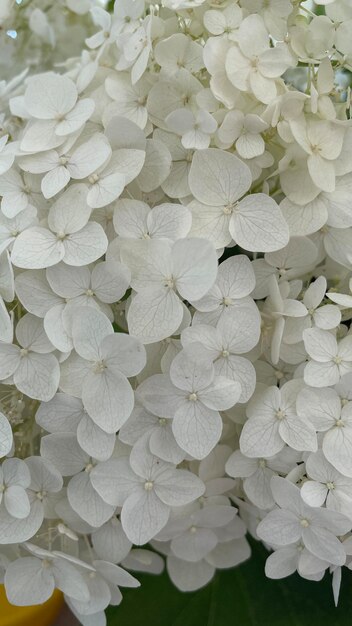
(337, 448)
(108, 398)
(189, 576)
(257, 224)
(62, 219)
(14, 530)
(279, 527)
(169, 221)
(194, 267)
(110, 541)
(260, 438)
(317, 374)
(17, 502)
(89, 156)
(89, 328)
(281, 563)
(197, 429)
(93, 440)
(86, 245)
(143, 516)
(194, 546)
(154, 315)
(6, 437)
(178, 487)
(314, 493)
(38, 376)
(320, 345)
(35, 248)
(87, 502)
(298, 434)
(63, 451)
(75, 118)
(106, 190)
(27, 582)
(54, 181)
(61, 414)
(50, 94)
(156, 167)
(218, 178)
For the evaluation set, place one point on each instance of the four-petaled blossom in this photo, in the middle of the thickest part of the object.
(294, 520)
(146, 487)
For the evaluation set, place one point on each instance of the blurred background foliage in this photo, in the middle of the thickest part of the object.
(242, 596)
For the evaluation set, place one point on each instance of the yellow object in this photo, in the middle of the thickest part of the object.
(39, 615)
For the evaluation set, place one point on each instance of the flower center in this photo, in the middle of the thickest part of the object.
(148, 485)
(305, 523)
(99, 367)
(169, 282)
(193, 397)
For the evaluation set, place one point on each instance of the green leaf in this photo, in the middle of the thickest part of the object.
(241, 596)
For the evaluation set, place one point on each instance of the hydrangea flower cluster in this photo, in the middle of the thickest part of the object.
(175, 300)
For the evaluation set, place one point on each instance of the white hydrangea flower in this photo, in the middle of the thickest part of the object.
(52, 100)
(158, 272)
(235, 281)
(323, 144)
(134, 219)
(326, 485)
(294, 520)
(71, 238)
(32, 579)
(14, 479)
(273, 421)
(179, 51)
(60, 167)
(129, 100)
(162, 442)
(257, 474)
(244, 131)
(34, 369)
(105, 360)
(66, 414)
(253, 65)
(103, 584)
(224, 343)
(18, 192)
(146, 488)
(195, 130)
(323, 409)
(285, 561)
(194, 535)
(193, 396)
(217, 180)
(329, 359)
